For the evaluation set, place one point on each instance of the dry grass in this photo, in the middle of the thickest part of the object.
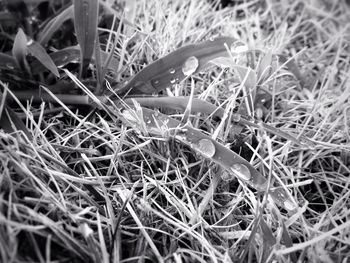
(87, 188)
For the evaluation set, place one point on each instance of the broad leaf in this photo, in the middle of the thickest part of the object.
(173, 67)
(36, 50)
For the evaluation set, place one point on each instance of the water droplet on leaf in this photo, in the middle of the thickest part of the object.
(10, 66)
(172, 71)
(155, 82)
(190, 66)
(289, 205)
(130, 116)
(206, 147)
(226, 176)
(238, 47)
(241, 171)
(30, 42)
(172, 81)
(236, 117)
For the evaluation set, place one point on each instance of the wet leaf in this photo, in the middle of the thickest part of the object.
(36, 50)
(156, 123)
(197, 105)
(85, 23)
(168, 70)
(53, 25)
(60, 58)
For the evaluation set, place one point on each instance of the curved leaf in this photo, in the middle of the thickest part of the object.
(169, 69)
(53, 25)
(36, 50)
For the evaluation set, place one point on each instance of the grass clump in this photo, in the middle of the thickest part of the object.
(174, 131)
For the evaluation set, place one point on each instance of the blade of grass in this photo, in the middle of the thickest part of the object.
(169, 69)
(19, 50)
(53, 25)
(36, 50)
(68, 55)
(137, 220)
(85, 23)
(99, 68)
(288, 242)
(268, 238)
(9, 120)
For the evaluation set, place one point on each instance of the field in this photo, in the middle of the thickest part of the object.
(175, 131)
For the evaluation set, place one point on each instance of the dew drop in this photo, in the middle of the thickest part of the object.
(226, 176)
(289, 205)
(10, 66)
(30, 42)
(236, 117)
(172, 71)
(206, 147)
(190, 66)
(172, 81)
(241, 171)
(155, 82)
(211, 39)
(238, 47)
(130, 116)
(259, 113)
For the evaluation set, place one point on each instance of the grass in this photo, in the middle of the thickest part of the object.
(93, 171)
